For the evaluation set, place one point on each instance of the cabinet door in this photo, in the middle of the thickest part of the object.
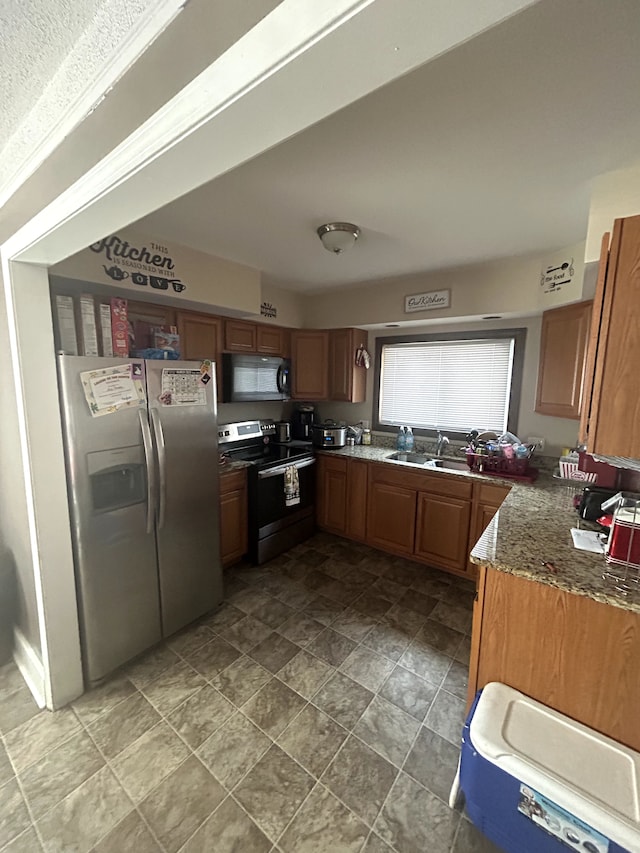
(310, 364)
(332, 494)
(159, 315)
(143, 316)
(347, 381)
(563, 349)
(592, 346)
(239, 336)
(391, 517)
(233, 517)
(200, 338)
(442, 531)
(357, 476)
(270, 340)
(616, 403)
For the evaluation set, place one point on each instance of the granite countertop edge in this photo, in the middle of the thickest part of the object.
(532, 527)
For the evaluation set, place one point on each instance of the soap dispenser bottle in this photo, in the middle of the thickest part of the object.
(401, 440)
(408, 440)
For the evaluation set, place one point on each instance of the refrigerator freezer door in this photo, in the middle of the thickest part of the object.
(183, 418)
(114, 550)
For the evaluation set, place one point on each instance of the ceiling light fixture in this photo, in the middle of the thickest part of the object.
(338, 236)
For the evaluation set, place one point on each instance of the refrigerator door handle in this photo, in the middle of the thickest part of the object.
(150, 466)
(162, 465)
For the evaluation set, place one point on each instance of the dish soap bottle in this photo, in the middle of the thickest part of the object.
(408, 440)
(401, 440)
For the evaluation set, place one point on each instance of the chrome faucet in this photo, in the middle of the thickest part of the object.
(441, 443)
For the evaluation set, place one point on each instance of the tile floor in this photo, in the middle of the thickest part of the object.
(318, 710)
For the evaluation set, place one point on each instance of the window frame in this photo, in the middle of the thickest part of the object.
(519, 336)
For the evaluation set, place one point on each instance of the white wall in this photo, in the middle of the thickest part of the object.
(211, 282)
(14, 522)
(506, 286)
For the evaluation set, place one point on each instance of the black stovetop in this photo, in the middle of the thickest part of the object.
(271, 453)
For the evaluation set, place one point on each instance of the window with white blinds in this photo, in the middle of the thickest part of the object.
(451, 385)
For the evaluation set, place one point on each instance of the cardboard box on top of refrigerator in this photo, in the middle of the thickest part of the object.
(119, 328)
(88, 328)
(105, 330)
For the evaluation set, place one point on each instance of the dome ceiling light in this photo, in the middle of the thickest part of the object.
(338, 236)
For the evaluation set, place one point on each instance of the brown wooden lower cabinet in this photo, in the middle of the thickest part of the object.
(434, 518)
(357, 483)
(233, 516)
(331, 504)
(391, 517)
(442, 530)
(567, 651)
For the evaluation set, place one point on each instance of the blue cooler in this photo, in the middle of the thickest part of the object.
(535, 781)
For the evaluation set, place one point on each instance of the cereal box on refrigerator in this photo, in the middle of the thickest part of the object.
(119, 328)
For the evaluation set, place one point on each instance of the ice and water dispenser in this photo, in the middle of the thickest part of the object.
(117, 478)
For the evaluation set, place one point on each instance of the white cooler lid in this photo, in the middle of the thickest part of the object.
(590, 775)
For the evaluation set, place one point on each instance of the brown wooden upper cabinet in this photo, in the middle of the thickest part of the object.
(272, 340)
(324, 365)
(347, 381)
(240, 336)
(200, 338)
(563, 349)
(310, 363)
(611, 425)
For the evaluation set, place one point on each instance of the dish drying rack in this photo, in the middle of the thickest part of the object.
(495, 463)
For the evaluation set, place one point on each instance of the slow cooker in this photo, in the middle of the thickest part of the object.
(328, 434)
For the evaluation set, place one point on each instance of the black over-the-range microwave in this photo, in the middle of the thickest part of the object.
(249, 378)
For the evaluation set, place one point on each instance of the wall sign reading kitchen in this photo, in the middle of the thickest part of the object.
(427, 301)
(150, 265)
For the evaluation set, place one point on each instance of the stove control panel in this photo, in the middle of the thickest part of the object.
(228, 433)
(268, 427)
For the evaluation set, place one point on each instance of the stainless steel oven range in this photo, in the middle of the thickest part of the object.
(277, 521)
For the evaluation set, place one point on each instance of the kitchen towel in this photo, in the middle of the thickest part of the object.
(291, 486)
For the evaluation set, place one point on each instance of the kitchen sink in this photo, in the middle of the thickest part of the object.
(428, 461)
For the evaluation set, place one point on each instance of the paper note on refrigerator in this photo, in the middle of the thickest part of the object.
(111, 388)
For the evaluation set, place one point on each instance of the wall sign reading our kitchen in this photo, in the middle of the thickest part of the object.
(147, 266)
(427, 301)
(555, 277)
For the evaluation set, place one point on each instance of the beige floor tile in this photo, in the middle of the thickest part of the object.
(32, 740)
(60, 772)
(229, 830)
(145, 763)
(181, 803)
(273, 791)
(234, 749)
(323, 823)
(85, 816)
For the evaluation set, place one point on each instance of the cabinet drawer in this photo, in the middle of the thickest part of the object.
(438, 484)
(334, 463)
(231, 481)
(488, 493)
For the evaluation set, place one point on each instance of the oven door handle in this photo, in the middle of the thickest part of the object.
(276, 472)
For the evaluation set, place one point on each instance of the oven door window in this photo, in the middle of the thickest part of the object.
(271, 499)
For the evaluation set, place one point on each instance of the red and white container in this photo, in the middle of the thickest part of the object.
(623, 546)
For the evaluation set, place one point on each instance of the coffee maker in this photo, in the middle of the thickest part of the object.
(301, 422)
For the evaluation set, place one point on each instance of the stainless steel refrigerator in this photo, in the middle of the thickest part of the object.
(142, 474)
